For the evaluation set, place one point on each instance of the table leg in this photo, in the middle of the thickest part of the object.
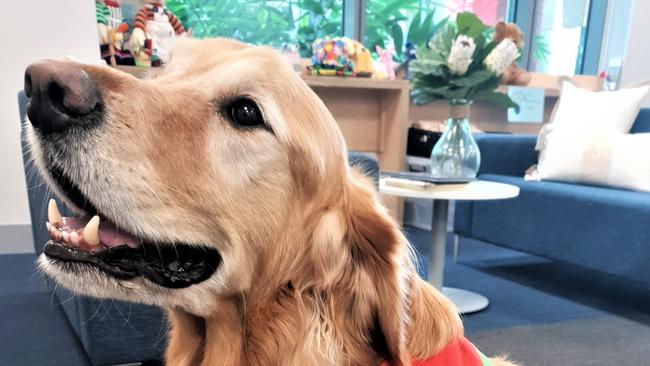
(437, 245)
(465, 301)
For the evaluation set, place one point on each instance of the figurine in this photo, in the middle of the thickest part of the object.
(111, 31)
(410, 56)
(155, 23)
(360, 57)
(386, 66)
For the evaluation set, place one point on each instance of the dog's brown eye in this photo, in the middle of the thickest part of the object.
(244, 112)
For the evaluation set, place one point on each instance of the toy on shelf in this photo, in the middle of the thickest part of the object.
(155, 29)
(385, 67)
(111, 31)
(513, 75)
(340, 56)
(360, 57)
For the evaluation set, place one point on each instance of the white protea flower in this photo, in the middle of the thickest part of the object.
(460, 56)
(505, 53)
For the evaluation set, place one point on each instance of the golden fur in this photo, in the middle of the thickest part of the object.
(314, 269)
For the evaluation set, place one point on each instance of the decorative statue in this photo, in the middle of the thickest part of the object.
(155, 31)
(111, 31)
(386, 66)
(513, 75)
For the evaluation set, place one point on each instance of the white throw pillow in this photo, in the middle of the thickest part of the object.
(601, 157)
(605, 109)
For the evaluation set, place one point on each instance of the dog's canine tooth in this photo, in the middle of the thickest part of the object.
(66, 236)
(53, 213)
(91, 231)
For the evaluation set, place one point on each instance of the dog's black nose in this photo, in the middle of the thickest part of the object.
(60, 94)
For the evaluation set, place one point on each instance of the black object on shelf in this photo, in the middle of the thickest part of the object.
(420, 142)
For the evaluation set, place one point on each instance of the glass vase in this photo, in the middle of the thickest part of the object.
(456, 154)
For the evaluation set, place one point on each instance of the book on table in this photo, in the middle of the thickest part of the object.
(419, 180)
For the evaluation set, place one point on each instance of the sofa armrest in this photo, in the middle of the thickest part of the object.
(506, 154)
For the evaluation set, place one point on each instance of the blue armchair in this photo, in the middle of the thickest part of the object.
(601, 228)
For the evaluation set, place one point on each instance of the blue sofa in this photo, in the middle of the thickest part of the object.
(600, 228)
(114, 332)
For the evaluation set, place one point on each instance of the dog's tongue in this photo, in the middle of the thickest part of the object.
(87, 233)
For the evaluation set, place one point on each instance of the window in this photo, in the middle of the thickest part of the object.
(395, 22)
(275, 23)
(567, 34)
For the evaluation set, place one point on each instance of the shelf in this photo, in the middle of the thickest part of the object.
(550, 83)
(313, 81)
(354, 82)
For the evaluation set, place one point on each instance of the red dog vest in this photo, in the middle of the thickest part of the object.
(459, 353)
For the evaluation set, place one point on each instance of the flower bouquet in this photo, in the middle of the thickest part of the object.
(460, 64)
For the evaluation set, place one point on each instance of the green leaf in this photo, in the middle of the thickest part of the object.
(497, 98)
(414, 28)
(541, 48)
(442, 41)
(469, 24)
(427, 28)
(313, 6)
(397, 5)
(262, 16)
(398, 39)
(473, 79)
(425, 67)
(424, 53)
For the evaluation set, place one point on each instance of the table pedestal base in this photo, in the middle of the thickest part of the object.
(466, 301)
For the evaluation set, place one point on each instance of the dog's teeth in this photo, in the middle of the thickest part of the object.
(74, 238)
(66, 236)
(91, 231)
(53, 214)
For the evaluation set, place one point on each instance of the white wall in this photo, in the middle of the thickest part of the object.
(33, 29)
(636, 63)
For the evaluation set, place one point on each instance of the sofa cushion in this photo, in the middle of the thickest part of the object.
(598, 157)
(581, 108)
(595, 227)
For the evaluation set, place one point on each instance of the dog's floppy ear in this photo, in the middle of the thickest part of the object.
(378, 249)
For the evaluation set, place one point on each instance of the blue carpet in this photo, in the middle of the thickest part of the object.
(528, 290)
(524, 291)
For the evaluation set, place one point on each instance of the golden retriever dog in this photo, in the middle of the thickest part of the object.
(219, 190)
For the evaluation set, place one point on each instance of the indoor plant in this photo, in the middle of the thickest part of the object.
(460, 64)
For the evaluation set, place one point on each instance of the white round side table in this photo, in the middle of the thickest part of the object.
(465, 301)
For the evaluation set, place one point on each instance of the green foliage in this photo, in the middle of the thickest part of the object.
(385, 24)
(541, 48)
(469, 24)
(431, 78)
(262, 22)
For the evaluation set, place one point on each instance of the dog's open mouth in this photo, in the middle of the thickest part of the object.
(95, 241)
